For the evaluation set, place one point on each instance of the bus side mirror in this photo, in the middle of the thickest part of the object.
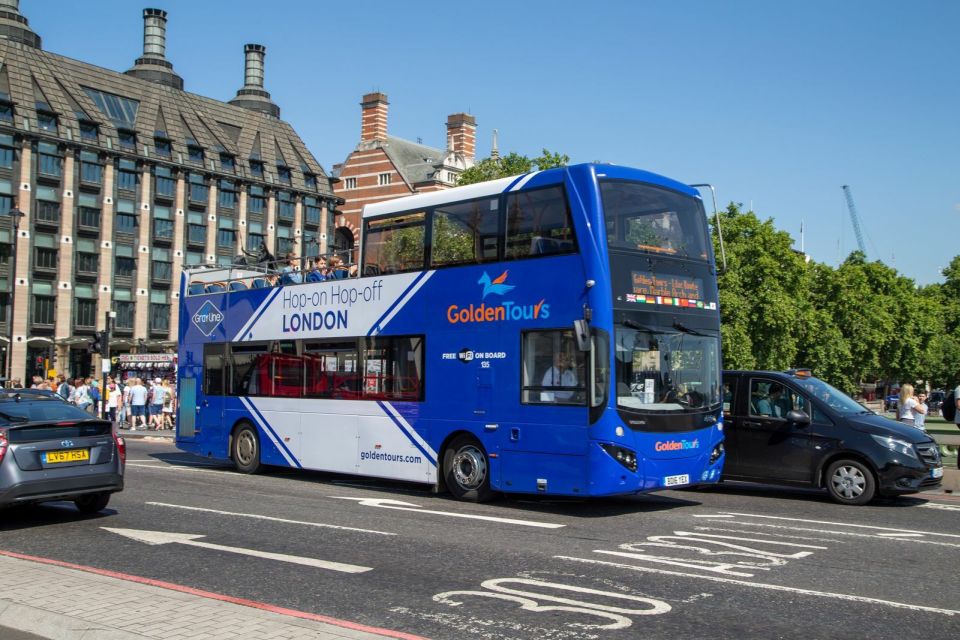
(582, 330)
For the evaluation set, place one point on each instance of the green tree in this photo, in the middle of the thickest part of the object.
(512, 164)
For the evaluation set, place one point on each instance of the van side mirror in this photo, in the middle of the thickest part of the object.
(798, 418)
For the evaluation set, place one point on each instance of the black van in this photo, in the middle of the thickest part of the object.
(793, 429)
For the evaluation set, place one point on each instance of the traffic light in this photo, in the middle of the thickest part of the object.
(96, 343)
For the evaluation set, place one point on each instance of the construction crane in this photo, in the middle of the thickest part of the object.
(855, 219)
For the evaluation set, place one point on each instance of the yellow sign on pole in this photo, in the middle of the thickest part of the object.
(51, 373)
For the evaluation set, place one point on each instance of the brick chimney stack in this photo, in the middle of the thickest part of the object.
(373, 120)
(462, 135)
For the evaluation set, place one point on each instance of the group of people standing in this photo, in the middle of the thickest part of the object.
(141, 406)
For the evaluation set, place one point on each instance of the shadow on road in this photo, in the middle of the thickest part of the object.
(801, 494)
(44, 515)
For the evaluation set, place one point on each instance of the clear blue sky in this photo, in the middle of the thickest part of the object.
(776, 104)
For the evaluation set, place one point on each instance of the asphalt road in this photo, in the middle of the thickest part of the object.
(732, 562)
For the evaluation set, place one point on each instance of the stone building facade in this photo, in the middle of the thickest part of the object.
(383, 167)
(122, 179)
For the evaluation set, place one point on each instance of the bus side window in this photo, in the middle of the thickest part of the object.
(465, 233)
(395, 244)
(553, 369)
(538, 223)
(213, 361)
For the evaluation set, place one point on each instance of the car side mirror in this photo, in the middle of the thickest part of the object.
(798, 418)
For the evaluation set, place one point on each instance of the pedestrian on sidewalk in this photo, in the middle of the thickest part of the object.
(138, 405)
(168, 404)
(908, 406)
(920, 414)
(157, 395)
(114, 396)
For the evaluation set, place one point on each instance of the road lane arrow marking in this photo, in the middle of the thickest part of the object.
(191, 539)
(399, 505)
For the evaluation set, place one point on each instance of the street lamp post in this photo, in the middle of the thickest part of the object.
(14, 214)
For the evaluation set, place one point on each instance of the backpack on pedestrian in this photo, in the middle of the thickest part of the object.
(949, 407)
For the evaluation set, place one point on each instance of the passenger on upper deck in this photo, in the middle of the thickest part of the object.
(314, 274)
(289, 274)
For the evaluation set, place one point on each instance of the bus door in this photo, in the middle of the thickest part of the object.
(187, 409)
(551, 432)
(210, 400)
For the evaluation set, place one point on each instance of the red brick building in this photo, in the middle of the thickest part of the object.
(384, 167)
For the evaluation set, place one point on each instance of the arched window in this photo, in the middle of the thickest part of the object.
(343, 244)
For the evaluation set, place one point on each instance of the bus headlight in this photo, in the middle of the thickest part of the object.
(716, 453)
(624, 456)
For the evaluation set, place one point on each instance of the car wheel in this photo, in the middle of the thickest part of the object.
(466, 470)
(850, 482)
(92, 502)
(246, 449)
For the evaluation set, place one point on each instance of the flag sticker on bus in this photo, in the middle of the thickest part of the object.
(208, 318)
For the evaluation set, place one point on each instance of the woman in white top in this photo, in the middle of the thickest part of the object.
(908, 406)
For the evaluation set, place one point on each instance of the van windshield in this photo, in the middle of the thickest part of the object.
(835, 399)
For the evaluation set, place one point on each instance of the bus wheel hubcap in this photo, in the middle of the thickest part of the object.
(469, 467)
(245, 447)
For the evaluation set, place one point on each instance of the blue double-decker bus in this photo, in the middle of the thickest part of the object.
(553, 333)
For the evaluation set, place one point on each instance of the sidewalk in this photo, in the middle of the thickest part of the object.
(59, 602)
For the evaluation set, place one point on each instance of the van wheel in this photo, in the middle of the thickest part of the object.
(466, 470)
(246, 449)
(92, 502)
(850, 482)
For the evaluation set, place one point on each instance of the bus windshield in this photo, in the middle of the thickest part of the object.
(666, 369)
(641, 217)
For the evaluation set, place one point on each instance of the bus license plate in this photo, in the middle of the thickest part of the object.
(673, 481)
(936, 472)
(73, 455)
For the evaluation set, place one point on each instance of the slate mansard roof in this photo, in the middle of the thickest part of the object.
(31, 78)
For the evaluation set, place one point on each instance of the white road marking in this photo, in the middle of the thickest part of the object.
(900, 535)
(528, 601)
(269, 518)
(409, 506)
(940, 505)
(845, 524)
(190, 539)
(770, 587)
(180, 464)
(177, 468)
(712, 516)
(775, 535)
(848, 534)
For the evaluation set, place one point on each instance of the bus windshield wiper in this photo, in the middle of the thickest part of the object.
(13, 418)
(682, 327)
(627, 322)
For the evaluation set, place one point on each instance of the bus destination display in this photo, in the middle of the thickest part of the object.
(677, 291)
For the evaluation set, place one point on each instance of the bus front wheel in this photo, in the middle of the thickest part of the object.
(466, 470)
(246, 449)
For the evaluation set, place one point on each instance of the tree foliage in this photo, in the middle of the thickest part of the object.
(512, 164)
(859, 322)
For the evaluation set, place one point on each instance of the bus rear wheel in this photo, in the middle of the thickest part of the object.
(466, 470)
(246, 449)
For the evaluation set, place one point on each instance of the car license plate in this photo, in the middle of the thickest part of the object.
(936, 472)
(73, 455)
(673, 481)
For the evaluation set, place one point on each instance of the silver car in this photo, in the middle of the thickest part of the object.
(51, 450)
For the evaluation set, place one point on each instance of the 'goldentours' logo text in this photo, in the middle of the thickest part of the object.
(506, 311)
(673, 445)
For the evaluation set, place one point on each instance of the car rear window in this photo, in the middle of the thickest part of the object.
(16, 412)
(36, 433)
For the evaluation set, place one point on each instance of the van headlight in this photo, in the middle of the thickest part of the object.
(897, 446)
